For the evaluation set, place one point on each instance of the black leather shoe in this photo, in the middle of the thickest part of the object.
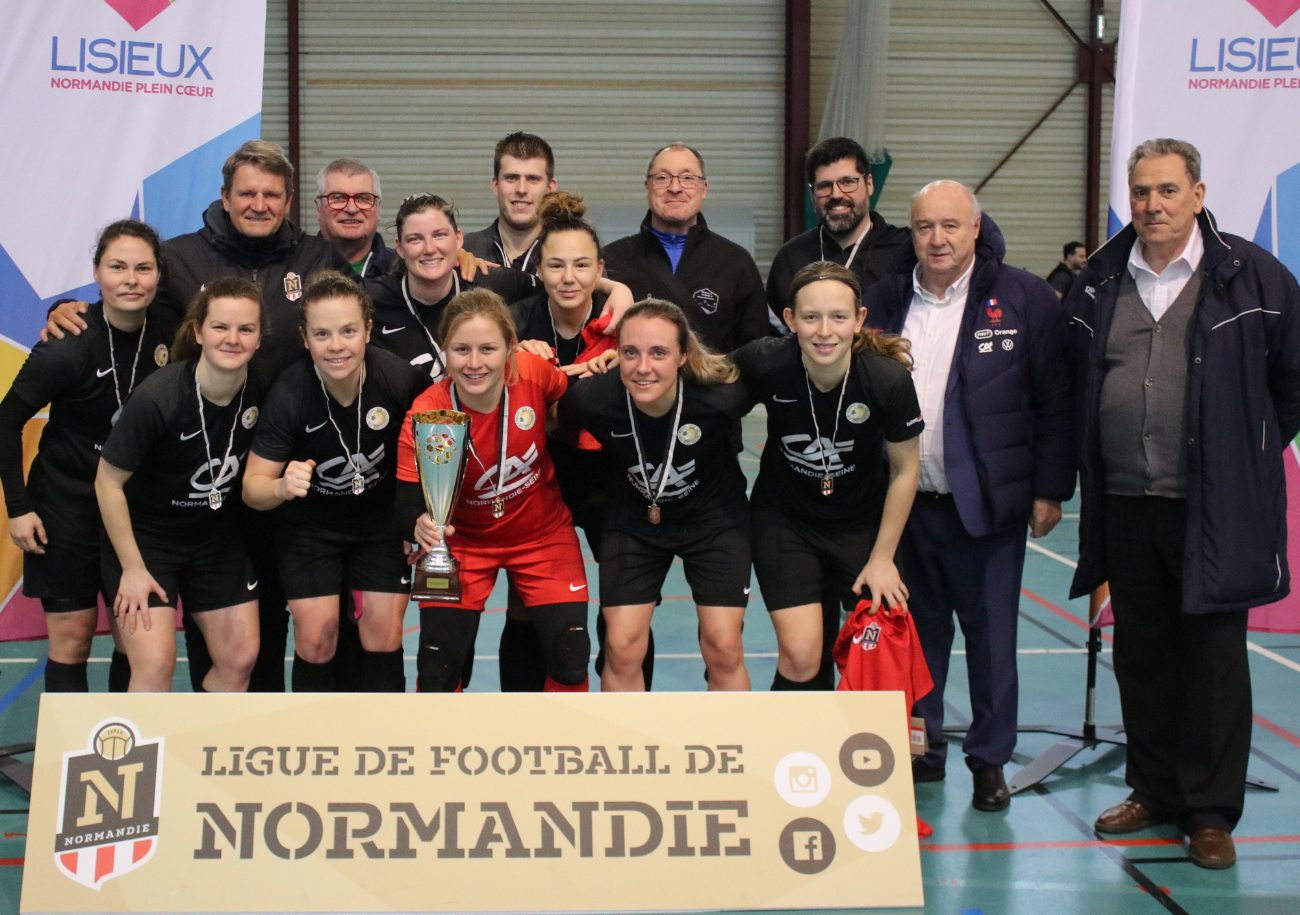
(922, 771)
(991, 794)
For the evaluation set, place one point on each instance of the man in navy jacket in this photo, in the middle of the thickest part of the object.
(988, 347)
(1187, 348)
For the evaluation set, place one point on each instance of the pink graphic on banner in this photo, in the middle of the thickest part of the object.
(1284, 616)
(1276, 11)
(139, 13)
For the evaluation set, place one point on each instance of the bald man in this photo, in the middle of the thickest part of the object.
(997, 457)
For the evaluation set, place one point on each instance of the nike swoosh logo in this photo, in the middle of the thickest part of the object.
(783, 400)
(576, 587)
(311, 429)
(390, 330)
(406, 581)
(857, 639)
(251, 585)
(747, 590)
(620, 435)
(186, 438)
(107, 371)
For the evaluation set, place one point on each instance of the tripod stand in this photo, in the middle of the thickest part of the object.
(1089, 736)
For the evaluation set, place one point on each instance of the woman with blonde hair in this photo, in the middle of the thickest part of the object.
(508, 514)
(839, 471)
(675, 490)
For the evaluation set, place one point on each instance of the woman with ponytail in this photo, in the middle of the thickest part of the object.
(839, 472)
(323, 463)
(168, 491)
(565, 324)
(675, 490)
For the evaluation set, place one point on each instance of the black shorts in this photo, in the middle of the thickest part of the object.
(715, 558)
(67, 576)
(797, 562)
(207, 572)
(313, 563)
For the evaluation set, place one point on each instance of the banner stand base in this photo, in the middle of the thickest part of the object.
(17, 771)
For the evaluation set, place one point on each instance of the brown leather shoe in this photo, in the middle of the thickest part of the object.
(1130, 816)
(1212, 848)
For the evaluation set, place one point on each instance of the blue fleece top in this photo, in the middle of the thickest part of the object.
(674, 245)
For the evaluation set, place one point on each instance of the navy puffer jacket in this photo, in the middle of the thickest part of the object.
(1011, 399)
(1243, 410)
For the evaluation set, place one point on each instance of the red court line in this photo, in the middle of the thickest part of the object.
(1043, 602)
(1096, 843)
(11, 862)
(1277, 729)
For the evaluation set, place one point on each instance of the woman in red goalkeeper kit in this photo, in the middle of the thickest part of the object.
(508, 514)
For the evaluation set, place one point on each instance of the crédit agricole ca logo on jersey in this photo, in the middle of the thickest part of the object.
(109, 801)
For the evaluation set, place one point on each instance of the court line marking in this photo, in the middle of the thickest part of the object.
(1250, 646)
(1096, 843)
(1051, 555)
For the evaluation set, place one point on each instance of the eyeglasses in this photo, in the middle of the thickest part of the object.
(848, 184)
(339, 201)
(688, 182)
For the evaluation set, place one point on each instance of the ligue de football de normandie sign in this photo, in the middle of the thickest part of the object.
(499, 803)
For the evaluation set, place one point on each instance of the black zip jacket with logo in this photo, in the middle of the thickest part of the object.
(873, 262)
(486, 243)
(717, 283)
(280, 264)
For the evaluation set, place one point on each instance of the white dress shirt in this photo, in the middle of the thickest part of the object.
(933, 325)
(1159, 290)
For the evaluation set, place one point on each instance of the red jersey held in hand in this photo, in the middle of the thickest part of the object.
(533, 507)
(882, 652)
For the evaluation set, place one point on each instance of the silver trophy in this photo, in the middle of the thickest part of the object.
(440, 439)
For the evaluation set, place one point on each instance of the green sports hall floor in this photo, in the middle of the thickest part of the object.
(1041, 856)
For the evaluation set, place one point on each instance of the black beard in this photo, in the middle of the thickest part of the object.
(847, 223)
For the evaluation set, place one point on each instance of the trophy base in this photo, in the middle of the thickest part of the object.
(442, 585)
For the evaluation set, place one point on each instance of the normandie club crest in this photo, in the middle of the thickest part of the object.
(109, 803)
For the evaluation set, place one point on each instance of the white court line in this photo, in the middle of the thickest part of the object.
(1251, 646)
(1272, 655)
(1050, 555)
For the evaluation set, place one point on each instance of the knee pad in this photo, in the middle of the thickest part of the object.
(570, 652)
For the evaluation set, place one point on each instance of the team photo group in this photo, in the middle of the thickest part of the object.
(235, 426)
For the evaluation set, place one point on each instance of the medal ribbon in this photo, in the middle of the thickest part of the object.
(668, 453)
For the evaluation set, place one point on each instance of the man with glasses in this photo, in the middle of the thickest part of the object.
(676, 257)
(347, 209)
(848, 232)
(523, 172)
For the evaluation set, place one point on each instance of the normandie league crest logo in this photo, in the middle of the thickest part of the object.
(109, 803)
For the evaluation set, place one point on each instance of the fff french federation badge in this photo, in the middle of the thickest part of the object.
(108, 804)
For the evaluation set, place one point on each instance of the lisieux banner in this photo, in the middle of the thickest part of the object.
(1225, 76)
(112, 108)
(498, 803)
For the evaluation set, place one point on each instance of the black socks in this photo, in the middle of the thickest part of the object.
(381, 671)
(312, 678)
(65, 678)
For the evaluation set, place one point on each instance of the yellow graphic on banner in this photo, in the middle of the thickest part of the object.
(12, 358)
(462, 803)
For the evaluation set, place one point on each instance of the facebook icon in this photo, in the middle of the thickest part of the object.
(807, 845)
